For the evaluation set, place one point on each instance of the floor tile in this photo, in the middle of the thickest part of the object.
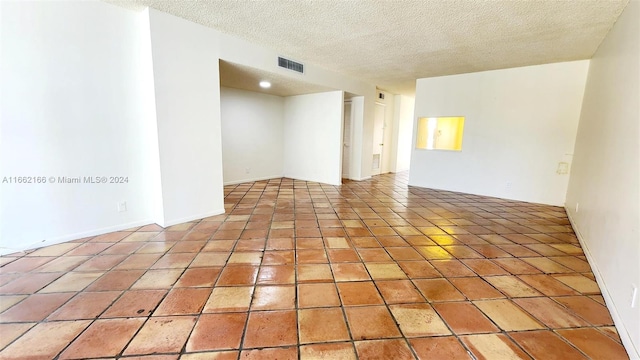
(135, 303)
(238, 275)
(209, 355)
(516, 266)
(314, 273)
(507, 315)
(116, 280)
(547, 266)
(342, 255)
(579, 283)
(7, 301)
(209, 259)
(54, 250)
(350, 272)
(434, 253)
(417, 320)
(65, 263)
(183, 301)
(438, 348)
(384, 271)
(85, 305)
(593, 343)
(229, 299)
(322, 325)
(452, 268)
(484, 267)
(35, 308)
(278, 257)
(217, 332)
(475, 288)
(332, 351)
(174, 261)
(161, 335)
(71, 282)
(27, 264)
(587, 309)
(462, 252)
(286, 353)
(11, 332)
(544, 344)
(253, 258)
(103, 338)
(311, 270)
(311, 256)
(493, 346)
(157, 279)
(317, 295)
(464, 318)
(270, 329)
(572, 263)
(359, 293)
(138, 261)
(399, 292)
(276, 274)
(199, 277)
(611, 332)
(438, 290)
(29, 283)
(550, 313)
(274, 298)
(511, 286)
(45, 340)
(396, 349)
(370, 322)
(547, 285)
(419, 269)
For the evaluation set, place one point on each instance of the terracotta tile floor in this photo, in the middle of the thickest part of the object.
(298, 270)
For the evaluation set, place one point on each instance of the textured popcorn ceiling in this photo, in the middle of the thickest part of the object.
(391, 43)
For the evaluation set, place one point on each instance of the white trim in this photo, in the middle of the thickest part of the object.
(617, 320)
(75, 236)
(252, 180)
(193, 217)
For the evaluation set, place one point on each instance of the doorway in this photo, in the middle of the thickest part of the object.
(346, 140)
(378, 138)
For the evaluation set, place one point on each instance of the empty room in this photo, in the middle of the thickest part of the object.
(331, 179)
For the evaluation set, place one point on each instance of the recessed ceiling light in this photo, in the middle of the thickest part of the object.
(265, 84)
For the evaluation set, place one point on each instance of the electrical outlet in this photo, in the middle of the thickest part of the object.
(634, 295)
(577, 207)
(122, 206)
(247, 170)
(563, 168)
(508, 185)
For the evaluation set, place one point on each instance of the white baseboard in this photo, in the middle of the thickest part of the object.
(74, 236)
(234, 182)
(628, 344)
(192, 217)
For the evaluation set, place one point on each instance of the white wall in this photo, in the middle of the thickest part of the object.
(520, 123)
(243, 52)
(252, 135)
(73, 104)
(388, 148)
(360, 169)
(185, 67)
(402, 132)
(605, 178)
(313, 137)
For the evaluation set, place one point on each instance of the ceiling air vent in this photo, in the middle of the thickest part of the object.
(291, 65)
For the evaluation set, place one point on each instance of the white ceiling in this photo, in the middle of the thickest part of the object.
(248, 78)
(390, 43)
